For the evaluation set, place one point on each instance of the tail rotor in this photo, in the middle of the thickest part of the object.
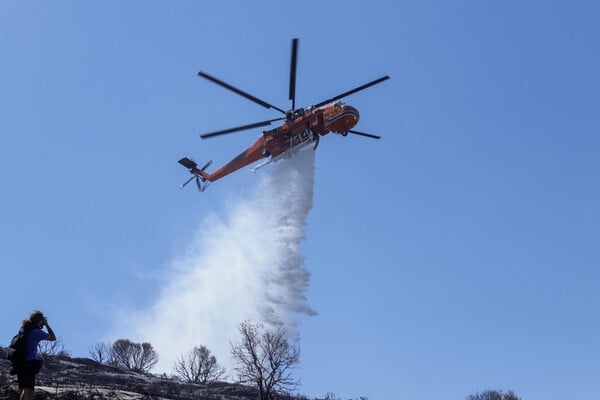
(191, 165)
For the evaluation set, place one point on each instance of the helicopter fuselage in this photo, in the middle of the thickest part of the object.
(301, 129)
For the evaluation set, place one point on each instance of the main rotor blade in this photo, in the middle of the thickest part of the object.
(238, 91)
(240, 128)
(293, 72)
(348, 93)
(365, 134)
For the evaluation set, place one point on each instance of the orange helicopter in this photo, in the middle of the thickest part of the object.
(302, 127)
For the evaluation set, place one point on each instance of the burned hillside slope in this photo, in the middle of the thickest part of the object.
(82, 378)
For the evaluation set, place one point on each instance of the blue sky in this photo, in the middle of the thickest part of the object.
(458, 253)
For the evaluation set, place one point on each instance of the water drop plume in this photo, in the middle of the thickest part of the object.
(246, 265)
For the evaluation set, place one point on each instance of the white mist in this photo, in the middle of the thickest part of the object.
(248, 266)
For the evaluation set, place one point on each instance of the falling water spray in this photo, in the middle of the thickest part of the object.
(248, 265)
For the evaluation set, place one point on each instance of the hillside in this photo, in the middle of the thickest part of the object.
(82, 378)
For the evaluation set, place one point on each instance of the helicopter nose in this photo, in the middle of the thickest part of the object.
(351, 116)
(351, 110)
(343, 118)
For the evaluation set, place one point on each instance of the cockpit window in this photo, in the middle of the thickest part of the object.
(336, 106)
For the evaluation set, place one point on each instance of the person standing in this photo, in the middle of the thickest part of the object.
(33, 330)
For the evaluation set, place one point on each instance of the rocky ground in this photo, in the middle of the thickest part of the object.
(66, 378)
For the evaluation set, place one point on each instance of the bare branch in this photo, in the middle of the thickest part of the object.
(134, 356)
(101, 352)
(265, 359)
(199, 366)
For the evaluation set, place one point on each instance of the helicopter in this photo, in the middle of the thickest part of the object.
(302, 127)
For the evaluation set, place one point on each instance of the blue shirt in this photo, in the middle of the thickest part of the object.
(33, 338)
